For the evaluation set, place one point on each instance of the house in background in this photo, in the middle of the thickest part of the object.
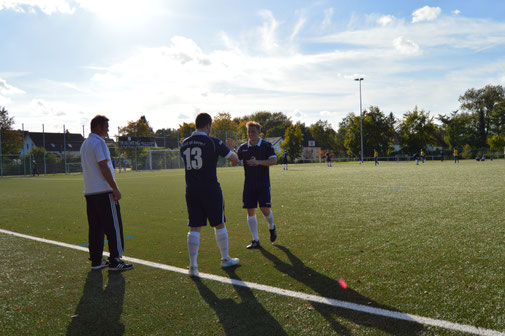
(310, 150)
(52, 142)
(276, 143)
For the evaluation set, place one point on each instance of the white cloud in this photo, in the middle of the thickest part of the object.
(268, 30)
(6, 89)
(404, 46)
(456, 12)
(426, 13)
(46, 6)
(299, 24)
(385, 20)
(328, 14)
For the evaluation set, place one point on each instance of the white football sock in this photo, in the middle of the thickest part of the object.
(222, 242)
(253, 226)
(270, 220)
(193, 245)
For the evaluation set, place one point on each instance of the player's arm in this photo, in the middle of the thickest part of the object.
(233, 158)
(107, 175)
(271, 161)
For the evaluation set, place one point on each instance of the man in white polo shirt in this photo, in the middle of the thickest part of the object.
(102, 199)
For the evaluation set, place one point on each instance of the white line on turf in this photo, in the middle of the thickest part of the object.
(285, 292)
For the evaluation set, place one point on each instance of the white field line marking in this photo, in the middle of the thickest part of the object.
(285, 292)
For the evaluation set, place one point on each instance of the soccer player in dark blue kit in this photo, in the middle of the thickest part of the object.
(257, 155)
(204, 198)
(285, 160)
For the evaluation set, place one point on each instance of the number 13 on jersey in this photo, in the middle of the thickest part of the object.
(193, 158)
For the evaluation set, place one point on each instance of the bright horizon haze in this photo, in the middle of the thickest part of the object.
(64, 61)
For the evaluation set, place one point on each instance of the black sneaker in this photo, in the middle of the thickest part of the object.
(254, 245)
(99, 265)
(273, 235)
(119, 265)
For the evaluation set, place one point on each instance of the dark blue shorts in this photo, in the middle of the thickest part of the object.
(203, 205)
(254, 195)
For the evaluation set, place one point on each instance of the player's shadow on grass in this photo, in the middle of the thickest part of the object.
(99, 310)
(244, 315)
(330, 288)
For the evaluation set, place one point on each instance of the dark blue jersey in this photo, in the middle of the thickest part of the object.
(200, 153)
(328, 157)
(256, 175)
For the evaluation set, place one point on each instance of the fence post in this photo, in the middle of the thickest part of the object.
(65, 149)
(165, 148)
(179, 157)
(23, 136)
(1, 165)
(44, 147)
(136, 160)
(119, 150)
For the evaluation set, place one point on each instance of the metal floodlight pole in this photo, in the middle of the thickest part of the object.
(360, 115)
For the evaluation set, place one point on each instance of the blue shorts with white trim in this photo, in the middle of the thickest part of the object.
(205, 204)
(254, 195)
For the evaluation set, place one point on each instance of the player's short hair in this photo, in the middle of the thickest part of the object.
(98, 120)
(202, 120)
(253, 124)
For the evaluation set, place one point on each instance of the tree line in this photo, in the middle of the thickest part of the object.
(478, 124)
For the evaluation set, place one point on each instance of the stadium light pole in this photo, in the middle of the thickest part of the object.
(360, 116)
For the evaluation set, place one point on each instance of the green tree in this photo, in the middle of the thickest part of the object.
(496, 142)
(12, 140)
(38, 154)
(223, 126)
(324, 134)
(185, 130)
(459, 129)
(498, 118)
(481, 102)
(467, 152)
(378, 131)
(292, 143)
(416, 130)
(139, 128)
(272, 124)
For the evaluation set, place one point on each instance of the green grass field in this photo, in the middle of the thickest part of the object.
(425, 240)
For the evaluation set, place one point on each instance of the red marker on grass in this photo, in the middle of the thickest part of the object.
(342, 283)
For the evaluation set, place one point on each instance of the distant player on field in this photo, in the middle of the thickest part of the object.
(416, 157)
(456, 155)
(204, 198)
(376, 157)
(257, 155)
(102, 199)
(423, 157)
(285, 160)
(328, 158)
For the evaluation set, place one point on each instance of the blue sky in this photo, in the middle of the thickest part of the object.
(64, 61)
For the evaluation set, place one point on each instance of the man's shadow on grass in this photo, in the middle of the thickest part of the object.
(327, 287)
(243, 316)
(99, 310)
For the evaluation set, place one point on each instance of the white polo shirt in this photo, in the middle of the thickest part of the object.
(94, 150)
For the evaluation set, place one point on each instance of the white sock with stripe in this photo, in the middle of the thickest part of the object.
(193, 245)
(222, 242)
(270, 220)
(253, 226)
